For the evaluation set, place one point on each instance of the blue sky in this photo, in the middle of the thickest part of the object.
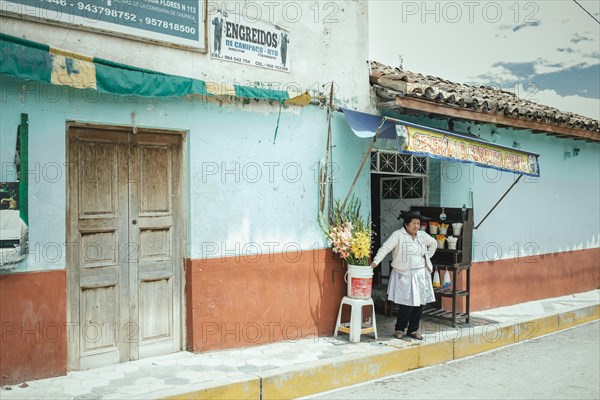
(545, 51)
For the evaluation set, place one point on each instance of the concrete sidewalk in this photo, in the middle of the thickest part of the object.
(294, 369)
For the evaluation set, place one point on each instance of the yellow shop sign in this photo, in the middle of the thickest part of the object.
(445, 145)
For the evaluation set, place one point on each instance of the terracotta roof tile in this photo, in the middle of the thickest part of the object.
(390, 83)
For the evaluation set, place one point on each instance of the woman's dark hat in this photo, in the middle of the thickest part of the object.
(408, 215)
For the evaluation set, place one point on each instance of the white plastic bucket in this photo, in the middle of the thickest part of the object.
(360, 281)
(456, 228)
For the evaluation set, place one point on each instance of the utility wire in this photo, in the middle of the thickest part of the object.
(596, 19)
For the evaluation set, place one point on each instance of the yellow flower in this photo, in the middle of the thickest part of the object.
(360, 244)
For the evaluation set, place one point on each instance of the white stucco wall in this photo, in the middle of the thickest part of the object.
(328, 42)
(246, 193)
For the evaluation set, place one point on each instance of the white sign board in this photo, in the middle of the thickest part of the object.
(255, 43)
(178, 22)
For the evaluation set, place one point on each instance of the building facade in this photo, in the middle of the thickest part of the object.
(532, 239)
(171, 193)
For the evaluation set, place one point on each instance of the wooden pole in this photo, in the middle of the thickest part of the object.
(328, 148)
(329, 133)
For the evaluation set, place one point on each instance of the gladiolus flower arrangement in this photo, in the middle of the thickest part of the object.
(348, 233)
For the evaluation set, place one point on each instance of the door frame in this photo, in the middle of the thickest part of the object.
(377, 174)
(182, 220)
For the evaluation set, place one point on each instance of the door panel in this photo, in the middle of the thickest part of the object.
(97, 212)
(99, 305)
(124, 289)
(155, 179)
(153, 307)
(98, 179)
(152, 185)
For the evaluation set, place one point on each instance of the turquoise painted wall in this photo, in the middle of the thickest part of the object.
(559, 211)
(246, 193)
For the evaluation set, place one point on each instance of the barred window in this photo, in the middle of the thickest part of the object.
(386, 162)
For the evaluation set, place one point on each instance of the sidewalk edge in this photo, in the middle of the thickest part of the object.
(299, 381)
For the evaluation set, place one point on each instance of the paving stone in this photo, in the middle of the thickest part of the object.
(154, 371)
(76, 390)
(251, 353)
(166, 362)
(176, 381)
(88, 396)
(135, 375)
(115, 396)
(110, 375)
(108, 368)
(82, 375)
(66, 382)
(104, 390)
(249, 369)
(149, 380)
(120, 382)
(133, 389)
(214, 375)
(234, 363)
(188, 362)
(211, 362)
(158, 387)
(127, 368)
(223, 369)
(258, 362)
(96, 382)
(193, 376)
(283, 363)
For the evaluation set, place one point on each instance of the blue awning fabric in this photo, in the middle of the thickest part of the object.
(365, 125)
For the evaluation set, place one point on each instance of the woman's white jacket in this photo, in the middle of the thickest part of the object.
(402, 245)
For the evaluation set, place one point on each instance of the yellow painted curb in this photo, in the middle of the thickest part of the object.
(299, 381)
(435, 353)
(239, 390)
(318, 379)
(578, 317)
(538, 327)
(491, 337)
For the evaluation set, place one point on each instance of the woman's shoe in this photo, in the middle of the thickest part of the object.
(399, 334)
(415, 335)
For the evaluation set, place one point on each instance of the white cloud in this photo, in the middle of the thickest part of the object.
(493, 76)
(462, 48)
(576, 104)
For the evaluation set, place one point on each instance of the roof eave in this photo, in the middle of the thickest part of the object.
(427, 107)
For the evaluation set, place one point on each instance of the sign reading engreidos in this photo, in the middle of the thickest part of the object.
(259, 43)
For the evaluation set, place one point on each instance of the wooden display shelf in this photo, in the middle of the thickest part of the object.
(454, 261)
(450, 292)
(439, 313)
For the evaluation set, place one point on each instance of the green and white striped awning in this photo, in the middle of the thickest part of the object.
(34, 61)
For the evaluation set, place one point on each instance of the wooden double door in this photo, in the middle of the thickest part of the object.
(124, 235)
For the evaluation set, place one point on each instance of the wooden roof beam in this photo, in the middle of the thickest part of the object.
(426, 106)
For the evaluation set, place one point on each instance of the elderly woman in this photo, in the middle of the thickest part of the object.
(410, 280)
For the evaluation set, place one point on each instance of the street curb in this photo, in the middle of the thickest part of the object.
(244, 389)
(323, 375)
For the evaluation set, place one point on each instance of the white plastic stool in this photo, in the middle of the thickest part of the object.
(355, 328)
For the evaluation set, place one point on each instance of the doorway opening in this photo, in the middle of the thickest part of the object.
(125, 228)
(398, 182)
